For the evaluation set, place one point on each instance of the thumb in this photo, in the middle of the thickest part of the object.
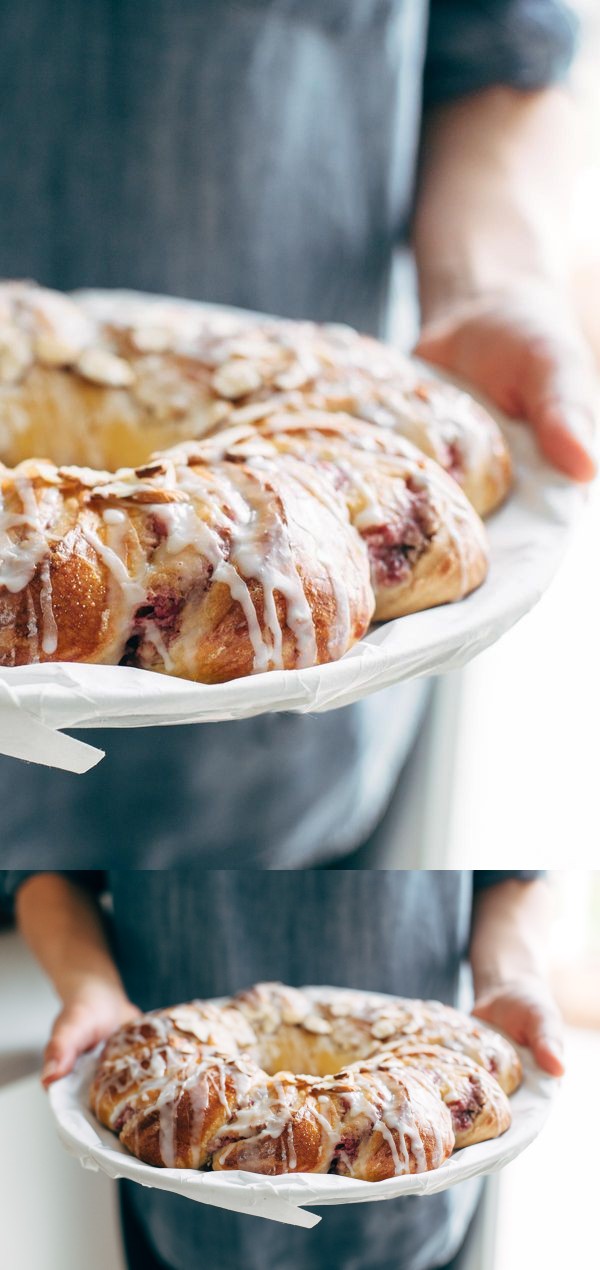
(545, 1042)
(564, 431)
(559, 397)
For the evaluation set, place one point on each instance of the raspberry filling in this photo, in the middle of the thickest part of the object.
(349, 1145)
(456, 460)
(395, 547)
(126, 1115)
(464, 1111)
(462, 1117)
(163, 609)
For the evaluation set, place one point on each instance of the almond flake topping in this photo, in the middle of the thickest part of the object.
(383, 1028)
(255, 410)
(342, 1009)
(52, 350)
(102, 367)
(191, 1023)
(313, 1023)
(15, 354)
(152, 339)
(236, 378)
(290, 1014)
(295, 377)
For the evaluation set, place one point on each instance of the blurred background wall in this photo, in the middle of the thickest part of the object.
(547, 1199)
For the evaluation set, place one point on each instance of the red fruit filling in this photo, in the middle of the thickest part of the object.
(464, 1111)
(123, 1118)
(395, 547)
(455, 463)
(348, 1145)
(162, 609)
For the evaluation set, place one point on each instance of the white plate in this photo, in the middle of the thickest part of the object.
(527, 540)
(283, 1198)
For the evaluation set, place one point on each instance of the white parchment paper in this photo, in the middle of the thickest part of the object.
(284, 1198)
(527, 536)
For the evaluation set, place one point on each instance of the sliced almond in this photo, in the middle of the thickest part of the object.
(236, 378)
(249, 346)
(341, 1009)
(239, 1026)
(269, 1021)
(215, 412)
(195, 1028)
(51, 350)
(87, 476)
(151, 469)
(255, 410)
(152, 339)
(144, 494)
(103, 367)
(410, 1026)
(294, 377)
(15, 354)
(192, 1025)
(291, 1014)
(158, 495)
(314, 1023)
(383, 1028)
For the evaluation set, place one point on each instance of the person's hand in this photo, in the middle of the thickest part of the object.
(91, 1013)
(525, 352)
(526, 1012)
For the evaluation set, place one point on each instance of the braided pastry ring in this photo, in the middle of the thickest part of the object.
(278, 1080)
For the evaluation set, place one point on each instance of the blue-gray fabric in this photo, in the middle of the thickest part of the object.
(261, 153)
(278, 791)
(255, 152)
(203, 933)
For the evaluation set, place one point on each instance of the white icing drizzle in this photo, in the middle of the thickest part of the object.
(401, 1165)
(338, 634)
(154, 634)
(32, 628)
(258, 549)
(372, 511)
(131, 590)
(182, 523)
(113, 562)
(49, 627)
(20, 555)
(262, 549)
